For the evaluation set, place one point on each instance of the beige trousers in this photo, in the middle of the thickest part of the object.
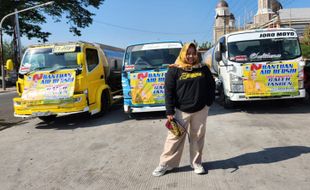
(195, 124)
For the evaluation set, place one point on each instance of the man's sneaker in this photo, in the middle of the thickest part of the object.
(198, 169)
(161, 170)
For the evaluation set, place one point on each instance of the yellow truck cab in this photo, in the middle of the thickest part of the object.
(67, 78)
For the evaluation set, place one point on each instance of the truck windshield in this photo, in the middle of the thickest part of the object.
(150, 58)
(264, 50)
(45, 59)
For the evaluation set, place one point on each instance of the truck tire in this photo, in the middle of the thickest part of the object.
(132, 115)
(105, 103)
(306, 100)
(225, 101)
(48, 119)
(228, 104)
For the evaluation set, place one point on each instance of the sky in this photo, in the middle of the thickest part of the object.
(121, 23)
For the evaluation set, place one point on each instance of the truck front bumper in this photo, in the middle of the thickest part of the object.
(37, 108)
(132, 109)
(241, 96)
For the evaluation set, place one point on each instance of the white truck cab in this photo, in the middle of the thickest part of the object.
(262, 64)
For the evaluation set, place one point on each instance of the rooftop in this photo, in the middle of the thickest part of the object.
(222, 4)
(295, 14)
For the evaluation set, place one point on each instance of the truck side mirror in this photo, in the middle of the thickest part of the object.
(218, 56)
(9, 66)
(80, 57)
(222, 47)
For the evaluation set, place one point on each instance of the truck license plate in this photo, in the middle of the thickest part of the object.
(38, 114)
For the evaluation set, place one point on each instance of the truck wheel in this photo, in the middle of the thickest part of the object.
(131, 115)
(225, 101)
(228, 104)
(48, 118)
(105, 103)
(306, 100)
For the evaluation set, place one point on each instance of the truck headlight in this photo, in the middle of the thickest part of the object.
(17, 103)
(236, 83)
(237, 88)
(235, 78)
(78, 99)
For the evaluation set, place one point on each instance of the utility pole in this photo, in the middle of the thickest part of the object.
(244, 23)
(290, 18)
(1, 42)
(224, 24)
(18, 40)
(2, 60)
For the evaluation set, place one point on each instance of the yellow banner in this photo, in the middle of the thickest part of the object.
(276, 79)
(147, 87)
(45, 86)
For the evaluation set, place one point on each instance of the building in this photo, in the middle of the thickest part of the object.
(297, 18)
(224, 20)
(267, 10)
(271, 14)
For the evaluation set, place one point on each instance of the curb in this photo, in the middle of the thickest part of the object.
(9, 89)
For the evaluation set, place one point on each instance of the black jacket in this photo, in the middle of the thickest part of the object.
(189, 91)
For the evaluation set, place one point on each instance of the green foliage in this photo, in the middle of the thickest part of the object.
(305, 43)
(195, 42)
(7, 50)
(205, 46)
(306, 39)
(74, 11)
(305, 50)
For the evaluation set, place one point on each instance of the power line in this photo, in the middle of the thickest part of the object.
(145, 31)
(207, 35)
(289, 2)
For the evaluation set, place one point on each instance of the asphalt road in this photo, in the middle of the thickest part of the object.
(257, 146)
(7, 118)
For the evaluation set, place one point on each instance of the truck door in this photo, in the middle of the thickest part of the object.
(95, 74)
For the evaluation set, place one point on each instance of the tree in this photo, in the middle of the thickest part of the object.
(7, 50)
(74, 11)
(205, 46)
(306, 39)
(305, 46)
(305, 51)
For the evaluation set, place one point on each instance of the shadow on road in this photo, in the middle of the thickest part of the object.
(82, 120)
(149, 115)
(5, 125)
(266, 156)
(264, 107)
(115, 115)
